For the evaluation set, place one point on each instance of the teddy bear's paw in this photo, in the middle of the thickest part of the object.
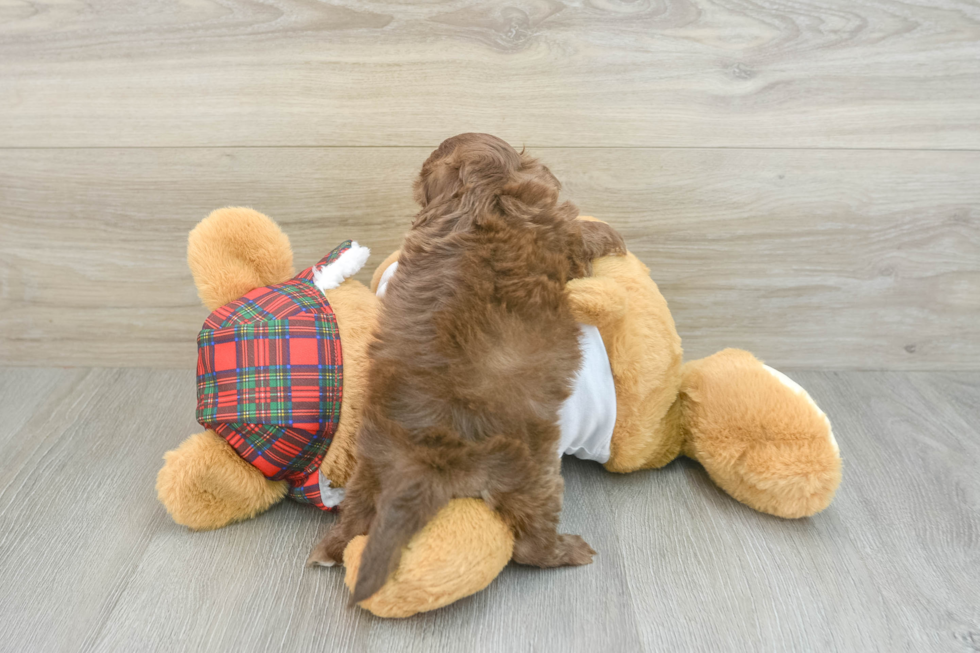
(205, 484)
(790, 479)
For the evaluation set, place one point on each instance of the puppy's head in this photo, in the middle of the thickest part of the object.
(481, 166)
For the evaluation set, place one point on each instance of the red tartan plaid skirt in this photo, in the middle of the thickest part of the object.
(270, 379)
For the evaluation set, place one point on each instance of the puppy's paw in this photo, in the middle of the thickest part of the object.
(573, 551)
(327, 553)
(599, 239)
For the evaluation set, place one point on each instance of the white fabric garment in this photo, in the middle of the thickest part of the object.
(347, 265)
(330, 496)
(588, 416)
(385, 278)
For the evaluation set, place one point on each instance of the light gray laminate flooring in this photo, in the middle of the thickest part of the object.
(89, 560)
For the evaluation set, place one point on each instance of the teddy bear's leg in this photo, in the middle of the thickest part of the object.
(205, 484)
(457, 554)
(760, 437)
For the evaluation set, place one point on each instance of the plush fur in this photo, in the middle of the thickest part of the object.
(379, 272)
(475, 352)
(347, 264)
(644, 353)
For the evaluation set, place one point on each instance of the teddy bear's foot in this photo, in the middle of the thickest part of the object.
(457, 554)
(205, 484)
(759, 435)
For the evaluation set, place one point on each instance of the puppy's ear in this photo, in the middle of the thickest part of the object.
(530, 190)
(533, 185)
(439, 180)
(599, 239)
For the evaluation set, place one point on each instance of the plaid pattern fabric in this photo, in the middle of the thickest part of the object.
(270, 379)
(309, 491)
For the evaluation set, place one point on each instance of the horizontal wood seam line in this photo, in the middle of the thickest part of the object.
(529, 145)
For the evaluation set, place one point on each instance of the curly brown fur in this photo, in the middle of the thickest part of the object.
(476, 350)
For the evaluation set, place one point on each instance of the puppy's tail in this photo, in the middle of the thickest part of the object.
(426, 487)
(402, 512)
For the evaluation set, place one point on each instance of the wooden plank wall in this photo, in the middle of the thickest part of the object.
(803, 179)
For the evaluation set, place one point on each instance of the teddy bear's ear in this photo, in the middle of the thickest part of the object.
(235, 250)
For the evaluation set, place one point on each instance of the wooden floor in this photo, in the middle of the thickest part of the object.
(89, 561)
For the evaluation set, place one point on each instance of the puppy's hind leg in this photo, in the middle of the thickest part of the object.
(357, 511)
(533, 513)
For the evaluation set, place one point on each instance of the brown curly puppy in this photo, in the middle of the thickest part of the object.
(476, 350)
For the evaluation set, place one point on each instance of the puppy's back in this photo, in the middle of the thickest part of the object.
(476, 346)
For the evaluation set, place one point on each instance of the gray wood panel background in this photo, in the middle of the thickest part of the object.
(803, 179)
(836, 73)
(89, 560)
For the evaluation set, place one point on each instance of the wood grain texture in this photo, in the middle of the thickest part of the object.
(836, 73)
(810, 259)
(89, 561)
